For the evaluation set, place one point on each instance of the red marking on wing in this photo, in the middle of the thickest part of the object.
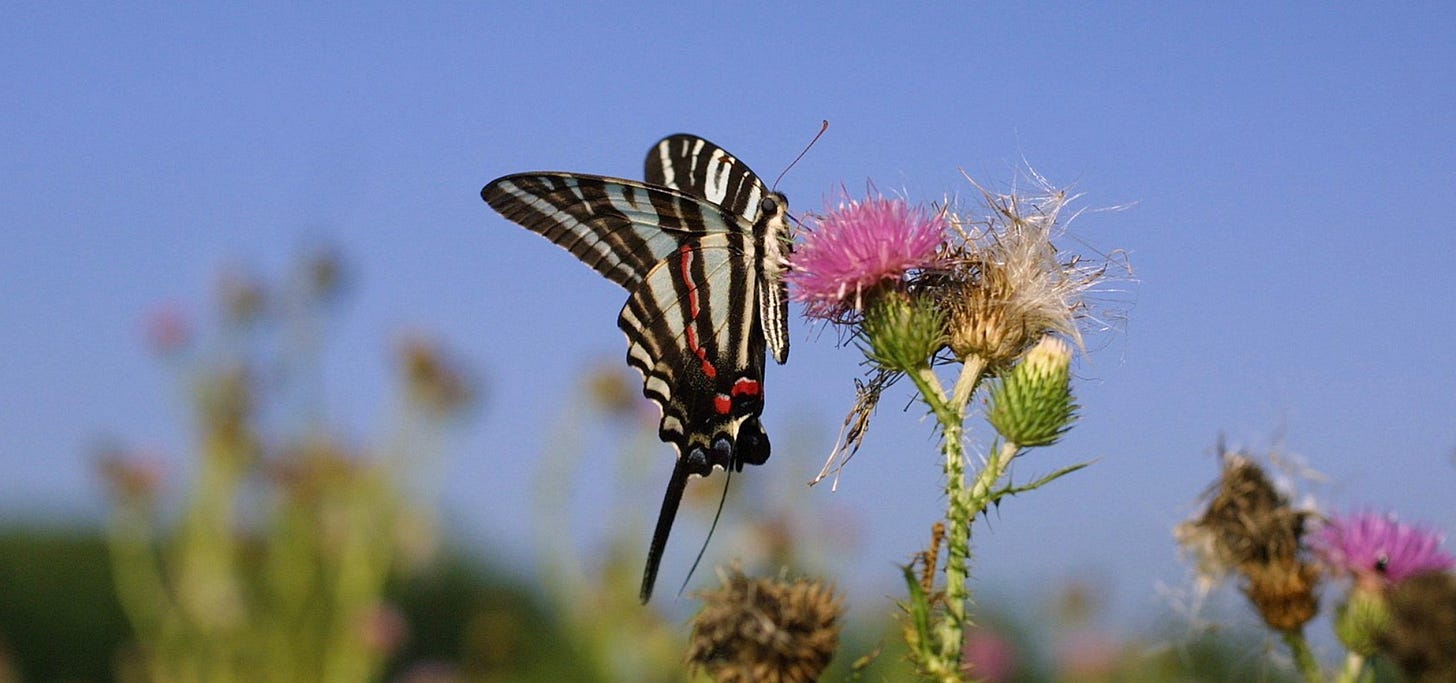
(723, 404)
(691, 329)
(747, 387)
(687, 262)
(691, 333)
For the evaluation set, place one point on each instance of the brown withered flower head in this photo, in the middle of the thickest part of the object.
(1421, 638)
(1004, 284)
(1250, 528)
(434, 380)
(765, 630)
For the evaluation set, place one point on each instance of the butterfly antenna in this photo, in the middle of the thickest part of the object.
(728, 477)
(670, 500)
(822, 127)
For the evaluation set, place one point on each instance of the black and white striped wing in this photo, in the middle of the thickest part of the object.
(691, 333)
(702, 169)
(621, 228)
(700, 353)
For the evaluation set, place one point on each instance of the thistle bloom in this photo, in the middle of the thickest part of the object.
(1377, 549)
(858, 245)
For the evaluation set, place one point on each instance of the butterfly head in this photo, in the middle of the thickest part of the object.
(774, 224)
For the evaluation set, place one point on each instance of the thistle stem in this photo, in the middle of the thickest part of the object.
(966, 383)
(1354, 671)
(1304, 659)
(962, 507)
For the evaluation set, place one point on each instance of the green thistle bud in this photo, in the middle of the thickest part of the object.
(1361, 620)
(903, 332)
(1032, 404)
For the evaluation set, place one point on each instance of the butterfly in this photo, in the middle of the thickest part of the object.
(701, 249)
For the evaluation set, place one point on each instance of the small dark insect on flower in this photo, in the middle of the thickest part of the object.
(765, 630)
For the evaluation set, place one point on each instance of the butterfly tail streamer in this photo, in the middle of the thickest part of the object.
(727, 480)
(670, 501)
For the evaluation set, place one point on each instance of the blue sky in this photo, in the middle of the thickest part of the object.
(1286, 167)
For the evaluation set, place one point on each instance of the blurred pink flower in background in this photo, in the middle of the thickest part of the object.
(989, 656)
(167, 329)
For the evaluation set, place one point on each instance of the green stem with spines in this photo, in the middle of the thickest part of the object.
(962, 508)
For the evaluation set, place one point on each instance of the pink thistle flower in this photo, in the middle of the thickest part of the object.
(857, 245)
(1377, 549)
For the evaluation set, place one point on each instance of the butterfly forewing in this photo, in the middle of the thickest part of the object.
(620, 228)
(703, 169)
(700, 248)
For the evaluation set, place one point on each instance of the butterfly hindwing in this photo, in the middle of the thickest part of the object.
(704, 371)
(698, 363)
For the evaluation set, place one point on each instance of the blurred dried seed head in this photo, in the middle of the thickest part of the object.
(240, 296)
(132, 477)
(1250, 528)
(765, 630)
(433, 380)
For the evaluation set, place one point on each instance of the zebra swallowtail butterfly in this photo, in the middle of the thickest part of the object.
(700, 249)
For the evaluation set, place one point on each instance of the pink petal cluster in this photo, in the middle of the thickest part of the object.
(1372, 547)
(857, 245)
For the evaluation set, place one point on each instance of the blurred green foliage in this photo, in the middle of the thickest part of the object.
(59, 618)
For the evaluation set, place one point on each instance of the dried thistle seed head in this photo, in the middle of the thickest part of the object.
(1283, 592)
(241, 296)
(133, 477)
(765, 630)
(611, 391)
(981, 322)
(323, 273)
(1004, 285)
(1421, 638)
(1248, 520)
(434, 381)
(1250, 528)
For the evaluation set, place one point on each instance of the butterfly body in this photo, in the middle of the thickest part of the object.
(700, 249)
